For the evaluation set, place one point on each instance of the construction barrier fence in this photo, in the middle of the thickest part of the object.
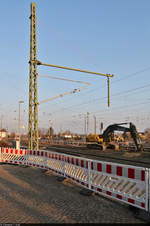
(126, 183)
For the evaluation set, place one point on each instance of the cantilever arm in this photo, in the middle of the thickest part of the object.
(84, 71)
(74, 69)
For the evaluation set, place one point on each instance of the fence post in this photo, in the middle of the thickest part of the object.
(89, 174)
(64, 167)
(0, 154)
(148, 189)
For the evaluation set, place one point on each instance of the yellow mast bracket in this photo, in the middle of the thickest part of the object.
(108, 87)
(84, 71)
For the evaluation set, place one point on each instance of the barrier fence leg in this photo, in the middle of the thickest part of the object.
(85, 191)
(89, 176)
(0, 154)
(140, 213)
(62, 178)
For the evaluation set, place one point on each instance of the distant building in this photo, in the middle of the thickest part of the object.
(3, 133)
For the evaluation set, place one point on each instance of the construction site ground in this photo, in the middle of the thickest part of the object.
(32, 195)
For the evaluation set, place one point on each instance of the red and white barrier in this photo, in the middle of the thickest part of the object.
(129, 184)
(122, 182)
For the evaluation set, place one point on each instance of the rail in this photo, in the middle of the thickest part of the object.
(126, 183)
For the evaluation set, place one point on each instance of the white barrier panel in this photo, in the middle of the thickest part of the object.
(125, 183)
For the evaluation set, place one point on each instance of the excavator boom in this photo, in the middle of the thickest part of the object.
(132, 129)
(104, 140)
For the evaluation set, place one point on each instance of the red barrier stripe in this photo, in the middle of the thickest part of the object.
(99, 189)
(16, 162)
(20, 162)
(45, 154)
(11, 151)
(82, 163)
(119, 171)
(68, 160)
(38, 153)
(77, 162)
(108, 192)
(131, 201)
(131, 173)
(21, 152)
(41, 153)
(16, 152)
(82, 183)
(91, 165)
(142, 175)
(59, 157)
(30, 152)
(143, 205)
(55, 156)
(33, 152)
(99, 166)
(108, 168)
(72, 160)
(6, 150)
(119, 196)
(52, 156)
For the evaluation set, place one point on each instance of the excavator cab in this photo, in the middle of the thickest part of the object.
(106, 140)
(119, 127)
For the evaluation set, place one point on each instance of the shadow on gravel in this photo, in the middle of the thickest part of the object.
(63, 204)
(26, 200)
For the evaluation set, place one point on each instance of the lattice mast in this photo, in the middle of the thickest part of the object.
(33, 100)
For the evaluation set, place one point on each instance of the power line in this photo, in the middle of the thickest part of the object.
(124, 106)
(102, 98)
(118, 80)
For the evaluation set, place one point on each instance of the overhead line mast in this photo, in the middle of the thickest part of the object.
(33, 106)
(33, 99)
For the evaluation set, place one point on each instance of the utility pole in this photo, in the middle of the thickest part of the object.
(19, 119)
(1, 121)
(101, 127)
(94, 124)
(87, 123)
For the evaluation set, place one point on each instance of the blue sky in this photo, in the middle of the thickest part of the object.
(110, 36)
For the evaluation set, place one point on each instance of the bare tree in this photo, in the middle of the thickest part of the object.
(147, 134)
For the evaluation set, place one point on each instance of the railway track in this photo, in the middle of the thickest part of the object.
(123, 157)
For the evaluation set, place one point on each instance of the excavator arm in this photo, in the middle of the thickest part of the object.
(132, 129)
